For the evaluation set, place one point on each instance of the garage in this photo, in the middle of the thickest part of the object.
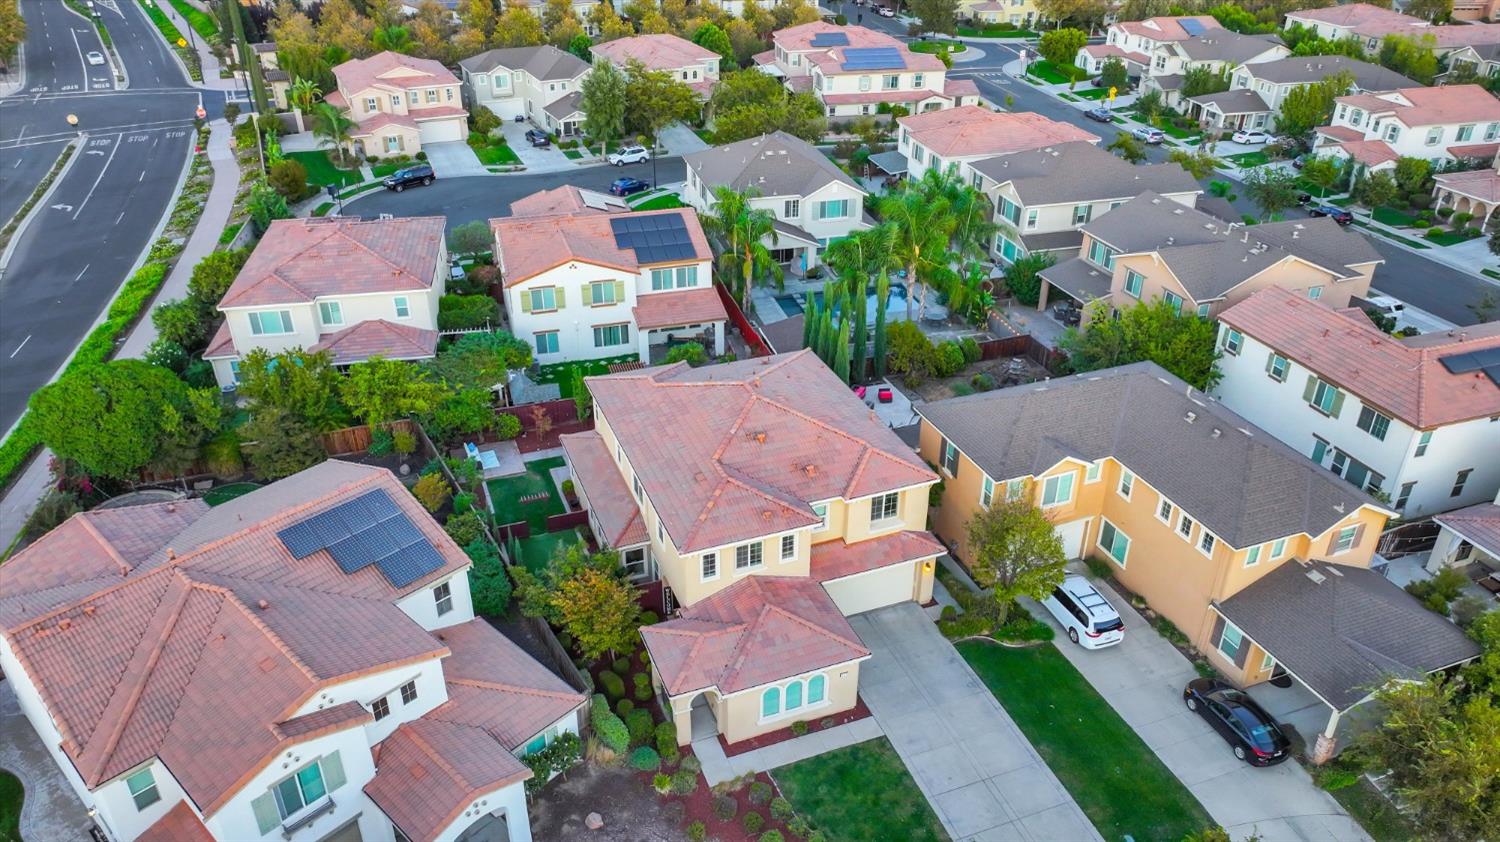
(440, 131)
(1072, 535)
(507, 109)
(874, 589)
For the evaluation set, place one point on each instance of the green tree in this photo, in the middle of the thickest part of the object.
(265, 206)
(379, 390)
(488, 582)
(463, 412)
(302, 384)
(1200, 163)
(471, 238)
(1375, 190)
(1113, 74)
(1128, 147)
(12, 31)
(539, 592)
(110, 417)
(518, 26)
(581, 45)
(303, 94)
(1411, 174)
(936, 15)
(180, 321)
(1412, 57)
(655, 99)
(921, 226)
(480, 360)
(1202, 79)
(1151, 106)
(1181, 343)
(1436, 11)
(289, 178)
(840, 364)
(332, 127)
(213, 274)
(1323, 172)
(1272, 190)
(396, 39)
(603, 99)
(281, 444)
(882, 292)
(749, 103)
(1016, 551)
(741, 232)
(1061, 46)
(1023, 276)
(711, 37)
(1308, 106)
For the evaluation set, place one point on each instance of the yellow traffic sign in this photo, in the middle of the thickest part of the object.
(1112, 91)
(182, 42)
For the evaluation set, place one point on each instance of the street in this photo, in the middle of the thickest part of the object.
(135, 138)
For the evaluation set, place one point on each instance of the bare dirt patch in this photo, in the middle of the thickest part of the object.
(631, 810)
(998, 369)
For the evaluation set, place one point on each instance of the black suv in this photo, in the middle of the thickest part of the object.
(415, 174)
(538, 138)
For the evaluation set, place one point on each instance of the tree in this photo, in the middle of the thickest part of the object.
(1113, 74)
(471, 238)
(488, 583)
(1181, 343)
(519, 27)
(882, 291)
(936, 15)
(109, 417)
(1308, 106)
(602, 100)
(432, 30)
(789, 13)
(477, 20)
(341, 26)
(1023, 276)
(332, 127)
(289, 178)
(656, 99)
(711, 37)
(1436, 11)
(540, 592)
(281, 444)
(1151, 106)
(581, 45)
(180, 321)
(741, 233)
(1204, 80)
(1375, 190)
(555, 12)
(12, 31)
(1411, 174)
(1129, 147)
(212, 276)
(396, 39)
(1323, 172)
(921, 227)
(1085, 13)
(1272, 190)
(265, 206)
(1016, 551)
(1412, 57)
(301, 384)
(480, 360)
(379, 390)
(1061, 46)
(744, 39)
(1200, 163)
(749, 103)
(1495, 242)
(840, 363)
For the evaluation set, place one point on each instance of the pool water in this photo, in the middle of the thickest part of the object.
(895, 303)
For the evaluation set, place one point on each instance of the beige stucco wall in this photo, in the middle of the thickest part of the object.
(1290, 274)
(738, 714)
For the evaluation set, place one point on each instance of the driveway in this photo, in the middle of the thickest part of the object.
(679, 139)
(453, 159)
(978, 771)
(537, 159)
(1143, 679)
(51, 809)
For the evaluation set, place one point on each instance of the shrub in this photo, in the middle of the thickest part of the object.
(289, 178)
(693, 763)
(1435, 231)
(614, 686)
(621, 666)
(781, 809)
(465, 529)
(565, 640)
(432, 491)
(381, 442)
(1099, 568)
(962, 389)
(222, 455)
(507, 427)
(799, 826)
(50, 512)
(771, 836)
(970, 349)
(697, 832)
(948, 613)
(799, 728)
(624, 706)
(689, 352)
(642, 692)
(403, 442)
(458, 312)
(685, 780)
(607, 727)
(641, 726)
(753, 822)
(1459, 220)
(1445, 212)
(648, 618)
(645, 759)
(760, 793)
(641, 679)
(982, 382)
(950, 359)
(725, 807)
(462, 502)
(666, 740)
(478, 281)
(825, 723)
(1332, 779)
(662, 783)
(1167, 629)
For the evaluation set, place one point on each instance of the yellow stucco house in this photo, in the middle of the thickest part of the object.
(398, 103)
(764, 503)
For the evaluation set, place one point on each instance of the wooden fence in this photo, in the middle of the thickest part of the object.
(518, 530)
(357, 439)
(567, 520)
(560, 411)
(561, 664)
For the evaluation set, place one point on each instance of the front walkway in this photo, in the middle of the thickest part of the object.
(976, 768)
(51, 810)
(1143, 679)
(718, 768)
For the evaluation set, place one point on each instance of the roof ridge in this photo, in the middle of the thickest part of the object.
(66, 607)
(740, 646)
(109, 548)
(512, 688)
(264, 629)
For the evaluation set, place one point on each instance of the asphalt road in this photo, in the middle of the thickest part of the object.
(78, 249)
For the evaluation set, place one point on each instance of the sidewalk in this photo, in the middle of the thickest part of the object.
(207, 61)
(1466, 257)
(718, 768)
(205, 237)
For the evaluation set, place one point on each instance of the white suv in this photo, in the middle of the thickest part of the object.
(1084, 613)
(629, 155)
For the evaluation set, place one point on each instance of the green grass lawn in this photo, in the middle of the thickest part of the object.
(973, 32)
(1448, 238)
(1069, 97)
(572, 154)
(1392, 216)
(1249, 159)
(1389, 236)
(320, 169)
(496, 153)
(506, 493)
(562, 373)
(11, 795)
(1091, 93)
(322, 209)
(202, 22)
(1313, 189)
(1118, 781)
(1057, 74)
(665, 200)
(932, 47)
(383, 170)
(224, 493)
(230, 233)
(1374, 813)
(860, 792)
(536, 550)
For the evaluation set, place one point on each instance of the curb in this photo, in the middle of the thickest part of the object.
(41, 202)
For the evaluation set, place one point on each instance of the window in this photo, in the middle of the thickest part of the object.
(1459, 482)
(1422, 442)
(950, 458)
(1091, 474)
(1491, 132)
(300, 790)
(1278, 548)
(770, 702)
(1185, 526)
(371, 104)
(1082, 213)
(537, 743)
(1164, 510)
(1203, 311)
(330, 313)
(1434, 136)
(788, 547)
(431, 95)
(680, 277)
(1010, 210)
(1014, 489)
(892, 82)
(1465, 133)
(1314, 293)
(917, 79)
(1392, 132)
(634, 562)
(1009, 251)
(271, 322)
(606, 292)
(1252, 556)
(395, 100)
(986, 492)
(541, 300)
(710, 566)
(1173, 300)
(833, 209)
(1344, 541)
(143, 790)
(792, 208)
(817, 687)
(1277, 367)
(636, 484)
(403, 307)
(1206, 541)
(884, 506)
(1057, 490)
(409, 692)
(381, 707)
(1323, 397)
(747, 556)
(1101, 254)
(1114, 542)
(607, 335)
(1031, 218)
(502, 80)
(1373, 422)
(1134, 283)
(1127, 484)
(1405, 495)
(864, 83)
(821, 510)
(1230, 641)
(546, 342)
(1320, 449)
(1233, 341)
(442, 597)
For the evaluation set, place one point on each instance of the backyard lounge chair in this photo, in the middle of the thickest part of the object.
(486, 458)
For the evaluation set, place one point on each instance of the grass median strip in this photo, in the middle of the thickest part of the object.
(1122, 785)
(36, 196)
(860, 792)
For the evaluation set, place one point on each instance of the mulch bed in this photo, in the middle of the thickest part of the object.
(699, 807)
(854, 714)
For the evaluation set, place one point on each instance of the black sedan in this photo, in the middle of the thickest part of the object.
(537, 138)
(627, 186)
(1333, 212)
(1100, 115)
(1250, 731)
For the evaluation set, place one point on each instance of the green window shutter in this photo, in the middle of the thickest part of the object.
(525, 301)
(1338, 402)
(619, 291)
(333, 771)
(267, 818)
(1270, 358)
(560, 299)
(1307, 392)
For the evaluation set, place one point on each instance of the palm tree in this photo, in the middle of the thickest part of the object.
(397, 39)
(302, 94)
(742, 232)
(332, 126)
(922, 227)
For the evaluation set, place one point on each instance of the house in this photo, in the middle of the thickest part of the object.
(1142, 37)
(278, 80)
(1475, 192)
(1450, 123)
(855, 71)
(957, 136)
(1476, 10)
(1256, 91)
(542, 84)
(1020, 14)
(1483, 61)
(1215, 51)
(1093, 57)
(281, 666)
(398, 103)
(1152, 247)
(1256, 554)
(778, 506)
(814, 202)
(585, 278)
(354, 287)
(1042, 197)
(1371, 24)
(695, 66)
(1469, 536)
(1414, 419)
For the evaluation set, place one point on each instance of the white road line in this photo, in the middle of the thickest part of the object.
(81, 63)
(87, 265)
(19, 347)
(100, 177)
(142, 176)
(101, 130)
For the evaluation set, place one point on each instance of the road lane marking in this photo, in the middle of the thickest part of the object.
(37, 140)
(81, 63)
(19, 347)
(142, 177)
(87, 265)
(102, 170)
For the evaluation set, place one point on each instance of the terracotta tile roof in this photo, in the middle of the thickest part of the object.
(1369, 152)
(336, 99)
(363, 340)
(431, 772)
(1483, 185)
(436, 112)
(391, 70)
(754, 443)
(222, 344)
(376, 122)
(767, 57)
(530, 245)
(1342, 133)
(1167, 28)
(1474, 150)
(1430, 106)
(960, 87)
(975, 130)
(326, 720)
(179, 824)
(300, 260)
(1404, 378)
(1478, 524)
(1115, 51)
(836, 559)
(1353, 14)
(1375, 22)
(758, 630)
(799, 38)
(567, 200)
(678, 308)
(656, 52)
(614, 510)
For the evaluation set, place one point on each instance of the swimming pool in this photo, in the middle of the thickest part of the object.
(895, 303)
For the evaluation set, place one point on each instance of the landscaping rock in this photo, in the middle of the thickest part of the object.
(593, 821)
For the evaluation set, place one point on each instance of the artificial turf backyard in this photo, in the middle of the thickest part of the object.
(860, 792)
(1122, 785)
(562, 373)
(508, 492)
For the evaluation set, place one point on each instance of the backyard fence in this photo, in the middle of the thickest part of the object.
(517, 530)
(758, 346)
(561, 664)
(1024, 346)
(349, 441)
(567, 520)
(357, 439)
(561, 411)
(1408, 539)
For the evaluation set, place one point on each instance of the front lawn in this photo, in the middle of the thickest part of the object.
(497, 152)
(1247, 160)
(1393, 217)
(531, 496)
(662, 202)
(321, 170)
(974, 32)
(1057, 74)
(202, 22)
(11, 796)
(383, 170)
(860, 792)
(934, 47)
(1448, 237)
(1374, 812)
(1119, 782)
(1091, 93)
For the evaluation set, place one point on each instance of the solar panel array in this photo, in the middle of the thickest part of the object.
(1191, 27)
(656, 238)
(370, 529)
(830, 39)
(873, 58)
(1487, 361)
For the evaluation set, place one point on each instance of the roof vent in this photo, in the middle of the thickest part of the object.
(759, 436)
(171, 553)
(64, 624)
(810, 469)
(1179, 211)
(262, 605)
(1296, 234)
(88, 610)
(1334, 570)
(1170, 240)
(1190, 417)
(1316, 577)
(1245, 431)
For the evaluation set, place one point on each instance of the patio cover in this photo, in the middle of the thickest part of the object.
(1478, 524)
(675, 309)
(892, 162)
(1078, 278)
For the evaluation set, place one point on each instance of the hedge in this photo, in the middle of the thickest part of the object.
(458, 312)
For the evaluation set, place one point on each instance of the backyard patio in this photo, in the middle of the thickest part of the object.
(531, 497)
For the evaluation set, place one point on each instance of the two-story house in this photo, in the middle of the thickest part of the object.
(1257, 90)
(855, 71)
(694, 66)
(1475, 192)
(1256, 554)
(300, 663)
(1152, 247)
(1449, 123)
(354, 287)
(1135, 41)
(398, 103)
(1214, 51)
(1482, 60)
(543, 84)
(815, 203)
(278, 80)
(1416, 419)
(769, 503)
(1018, 13)
(1371, 24)
(957, 136)
(1044, 197)
(585, 278)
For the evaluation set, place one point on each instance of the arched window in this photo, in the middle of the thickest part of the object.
(770, 701)
(815, 689)
(794, 695)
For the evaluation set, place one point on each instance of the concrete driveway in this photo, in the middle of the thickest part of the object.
(979, 772)
(453, 159)
(51, 809)
(1143, 679)
(679, 139)
(536, 158)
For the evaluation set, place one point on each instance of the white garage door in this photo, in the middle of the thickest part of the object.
(1072, 534)
(438, 131)
(507, 109)
(876, 589)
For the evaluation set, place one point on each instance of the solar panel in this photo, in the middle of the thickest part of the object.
(830, 39)
(368, 530)
(1191, 27)
(873, 58)
(655, 239)
(1486, 360)
(401, 569)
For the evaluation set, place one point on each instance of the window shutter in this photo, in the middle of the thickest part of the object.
(333, 771)
(1338, 402)
(561, 303)
(1307, 392)
(1213, 637)
(1243, 651)
(1270, 358)
(267, 817)
(1333, 542)
(619, 292)
(1359, 534)
(525, 301)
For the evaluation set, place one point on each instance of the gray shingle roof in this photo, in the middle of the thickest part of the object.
(1223, 45)
(544, 62)
(776, 164)
(1081, 172)
(1346, 635)
(1240, 101)
(1306, 69)
(564, 106)
(1078, 278)
(1237, 480)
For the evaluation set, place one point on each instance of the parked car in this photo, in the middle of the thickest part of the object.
(536, 137)
(1333, 212)
(1251, 732)
(627, 186)
(886, 12)
(1407, 318)
(630, 155)
(1100, 114)
(94, 57)
(415, 174)
(1084, 613)
(1300, 161)
(1149, 135)
(1252, 137)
